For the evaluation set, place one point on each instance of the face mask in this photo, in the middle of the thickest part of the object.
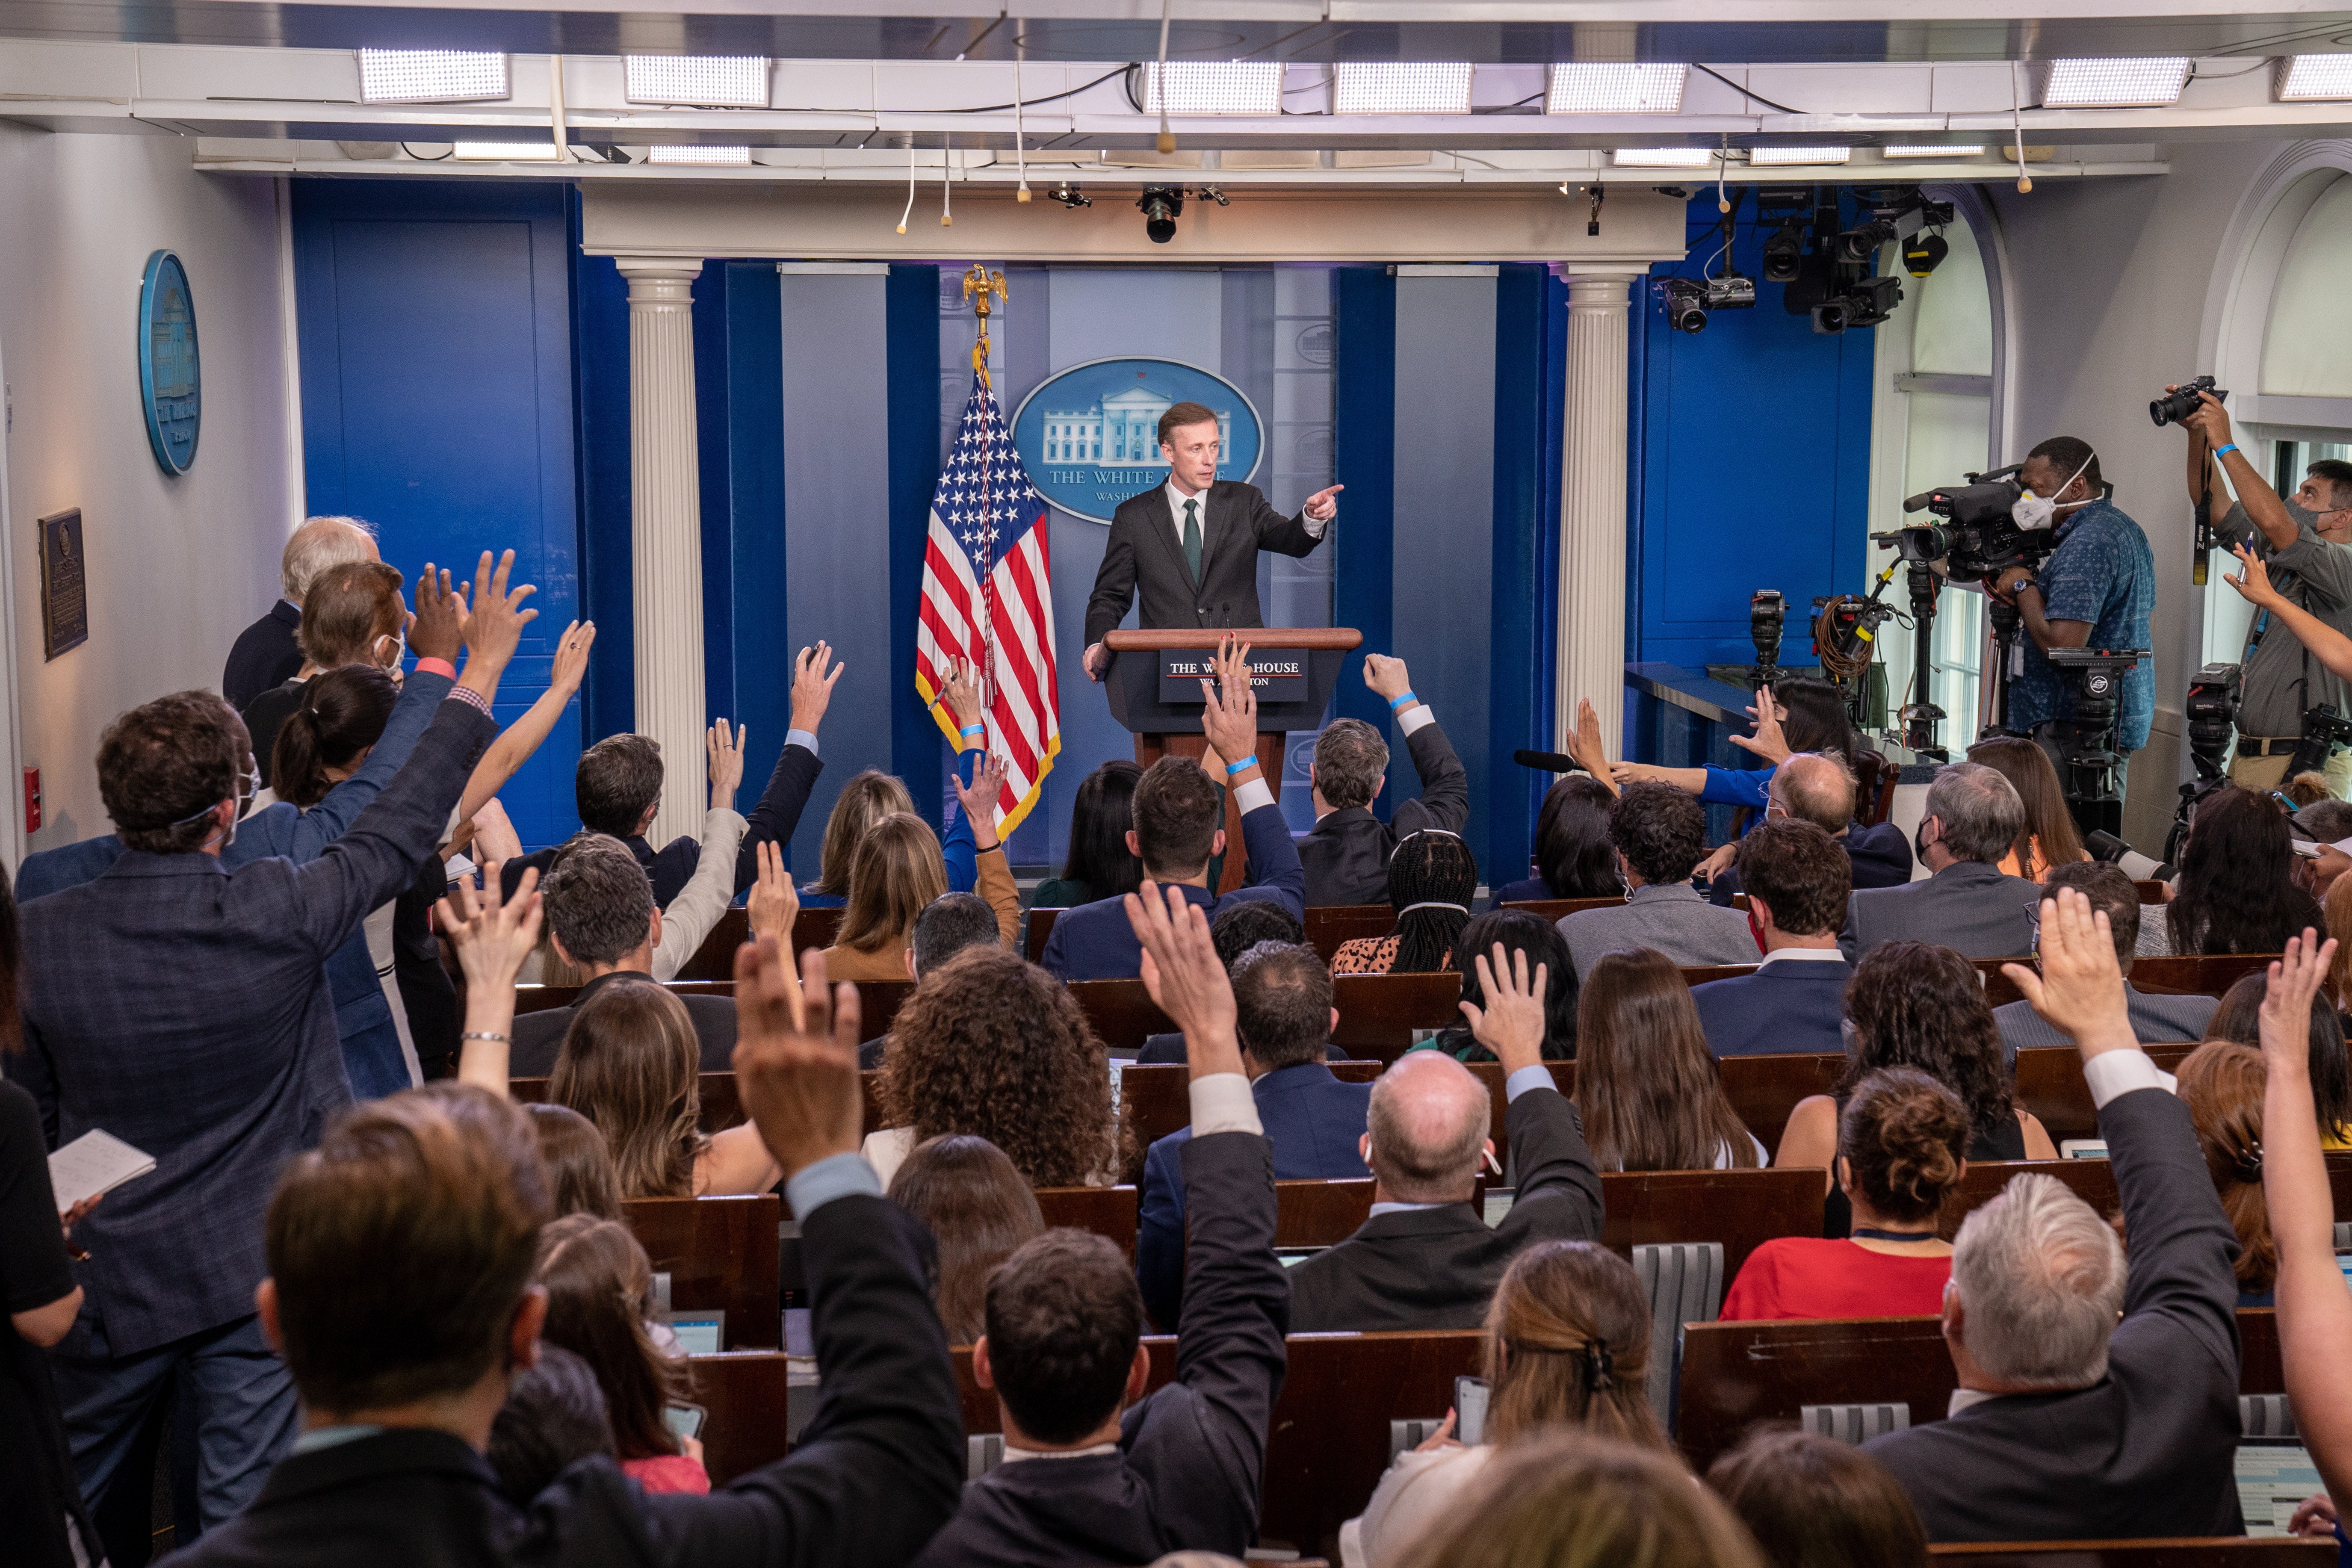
(2030, 510)
(1919, 842)
(2300, 515)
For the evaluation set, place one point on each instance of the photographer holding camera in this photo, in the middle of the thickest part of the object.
(2096, 590)
(2305, 545)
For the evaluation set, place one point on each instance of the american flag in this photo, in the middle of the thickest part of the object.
(988, 597)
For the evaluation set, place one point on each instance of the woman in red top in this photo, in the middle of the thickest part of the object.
(1901, 1147)
(599, 1290)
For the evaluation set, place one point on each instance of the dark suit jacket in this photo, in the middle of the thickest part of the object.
(183, 1005)
(1437, 1267)
(371, 1041)
(1796, 1005)
(869, 1481)
(1143, 554)
(1346, 854)
(1878, 857)
(672, 866)
(264, 655)
(1093, 941)
(539, 1037)
(1968, 905)
(2154, 1017)
(1312, 1120)
(266, 714)
(2146, 1450)
(1191, 1453)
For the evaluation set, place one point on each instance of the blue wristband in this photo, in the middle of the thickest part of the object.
(968, 731)
(1233, 768)
(1401, 699)
(2225, 451)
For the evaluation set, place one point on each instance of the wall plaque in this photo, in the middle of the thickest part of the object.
(65, 605)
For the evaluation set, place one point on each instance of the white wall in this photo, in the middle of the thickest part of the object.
(2111, 279)
(176, 567)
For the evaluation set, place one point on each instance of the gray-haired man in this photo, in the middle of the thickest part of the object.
(1973, 815)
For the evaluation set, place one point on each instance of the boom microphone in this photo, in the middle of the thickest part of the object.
(1551, 762)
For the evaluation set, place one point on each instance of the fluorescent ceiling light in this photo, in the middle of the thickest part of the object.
(703, 155)
(1442, 88)
(2115, 84)
(1769, 156)
(1210, 87)
(705, 81)
(507, 152)
(2303, 78)
(1663, 157)
(1938, 150)
(1615, 89)
(430, 76)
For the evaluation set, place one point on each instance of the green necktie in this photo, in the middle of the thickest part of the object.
(1192, 539)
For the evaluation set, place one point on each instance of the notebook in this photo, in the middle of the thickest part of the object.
(2274, 1475)
(92, 1164)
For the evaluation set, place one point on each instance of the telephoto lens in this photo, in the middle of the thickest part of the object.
(2175, 407)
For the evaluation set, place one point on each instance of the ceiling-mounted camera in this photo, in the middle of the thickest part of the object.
(1162, 206)
(1689, 301)
(1070, 196)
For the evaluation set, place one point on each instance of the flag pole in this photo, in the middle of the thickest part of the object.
(980, 282)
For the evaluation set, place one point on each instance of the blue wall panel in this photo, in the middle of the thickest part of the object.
(1530, 327)
(600, 383)
(436, 395)
(911, 311)
(1752, 468)
(1364, 444)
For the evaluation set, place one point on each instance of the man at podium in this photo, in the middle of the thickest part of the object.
(1190, 545)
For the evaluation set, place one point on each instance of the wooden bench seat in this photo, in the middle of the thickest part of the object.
(1109, 1212)
(719, 1253)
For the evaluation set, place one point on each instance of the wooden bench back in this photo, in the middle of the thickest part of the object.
(1379, 1013)
(1328, 926)
(1557, 908)
(719, 1253)
(746, 1395)
(2230, 1551)
(721, 1106)
(1109, 1212)
(715, 959)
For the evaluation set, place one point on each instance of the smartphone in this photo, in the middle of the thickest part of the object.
(1470, 1409)
(686, 1421)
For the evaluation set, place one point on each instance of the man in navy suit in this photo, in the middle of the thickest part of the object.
(1176, 835)
(184, 1007)
(1796, 879)
(1285, 1018)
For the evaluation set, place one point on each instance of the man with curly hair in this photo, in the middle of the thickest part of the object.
(1659, 834)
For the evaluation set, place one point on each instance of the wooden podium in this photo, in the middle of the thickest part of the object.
(1156, 694)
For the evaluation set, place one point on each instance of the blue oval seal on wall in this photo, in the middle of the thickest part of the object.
(170, 383)
(1089, 435)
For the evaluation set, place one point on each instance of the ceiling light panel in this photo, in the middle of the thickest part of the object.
(430, 76)
(707, 157)
(2311, 79)
(1213, 87)
(1663, 157)
(1615, 89)
(1384, 88)
(1770, 157)
(698, 81)
(2114, 84)
(1938, 150)
(506, 152)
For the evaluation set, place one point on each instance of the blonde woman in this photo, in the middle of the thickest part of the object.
(900, 869)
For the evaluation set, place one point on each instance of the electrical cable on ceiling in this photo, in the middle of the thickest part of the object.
(422, 159)
(1049, 98)
(1752, 97)
(1167, 137)
(1722, 156)
(910, 209)
(2017, 128)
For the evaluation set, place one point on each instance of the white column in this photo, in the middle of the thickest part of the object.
(1591, 624)
(665, 532)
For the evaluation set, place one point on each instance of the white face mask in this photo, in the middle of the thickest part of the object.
(2030, 510)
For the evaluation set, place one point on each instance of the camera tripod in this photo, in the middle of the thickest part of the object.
(1921, 717)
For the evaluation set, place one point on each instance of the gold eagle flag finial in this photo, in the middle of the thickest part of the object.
(980, 281)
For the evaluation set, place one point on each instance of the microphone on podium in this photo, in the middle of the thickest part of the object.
(1550, 761)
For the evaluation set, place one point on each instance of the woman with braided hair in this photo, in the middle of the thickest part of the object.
(1433, 876)
(1902, 1145)
(1566, 1345)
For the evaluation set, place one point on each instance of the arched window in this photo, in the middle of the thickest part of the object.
(1936, 417)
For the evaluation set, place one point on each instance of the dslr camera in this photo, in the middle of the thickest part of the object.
(1978, 537)
(2175, 407)
(1688, 299)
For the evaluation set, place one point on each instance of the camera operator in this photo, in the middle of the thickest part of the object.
(2306, 544)
(2096, 590)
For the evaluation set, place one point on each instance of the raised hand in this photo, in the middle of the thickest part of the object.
(493, 934)
(1585, 745)
(494, 835)
(726, 748)
(2080, 990)
(1386, 677)
(437, 630)
(774, 904)
(797, 1056)
(963, 695)
(1185, 976)
(494, 627)
(2210, 420)
(1230, 718)
(1767, 741)
(1511, 1023)
(978, 798)
(1323, 504)
(2285, 1018)
(2252, 581)
(572, 656)
(813, 686)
